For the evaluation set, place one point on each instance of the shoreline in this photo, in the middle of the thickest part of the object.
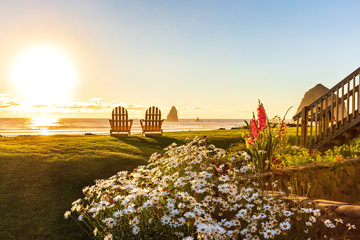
(89, 133)
(11, 127)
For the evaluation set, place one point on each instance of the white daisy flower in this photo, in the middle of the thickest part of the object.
(109, 236)
(285, 225)
(67, 214)
(118, 214)
(166, 220)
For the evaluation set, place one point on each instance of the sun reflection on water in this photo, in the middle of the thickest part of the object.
(43, 124)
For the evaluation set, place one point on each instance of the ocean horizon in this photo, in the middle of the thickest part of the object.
(11, 127)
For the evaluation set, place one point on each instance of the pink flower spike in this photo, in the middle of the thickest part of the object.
(254, 131)
(261, 117)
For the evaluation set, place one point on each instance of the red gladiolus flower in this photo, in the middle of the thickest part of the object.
(256, 126)
(261, 117)
(111, 201)
(282, 130)
(254, 131)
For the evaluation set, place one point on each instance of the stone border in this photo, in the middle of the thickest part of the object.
(335, 181)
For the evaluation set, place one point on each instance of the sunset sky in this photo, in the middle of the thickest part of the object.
(210, 59)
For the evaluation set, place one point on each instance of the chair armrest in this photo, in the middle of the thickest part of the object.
(143, 120)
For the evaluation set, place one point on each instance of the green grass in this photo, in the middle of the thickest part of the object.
(40, 176)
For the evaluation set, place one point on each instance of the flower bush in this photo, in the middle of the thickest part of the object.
(288, 155)
(265, 140)
(267, 144)
(349, 150)
(194, 191)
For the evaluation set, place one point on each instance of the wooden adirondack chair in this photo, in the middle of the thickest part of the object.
(120, 124)
(151, 125)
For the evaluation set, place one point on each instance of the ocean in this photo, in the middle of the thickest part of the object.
(100, 126)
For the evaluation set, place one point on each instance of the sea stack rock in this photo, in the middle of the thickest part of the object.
(172, 116)
(311, 95)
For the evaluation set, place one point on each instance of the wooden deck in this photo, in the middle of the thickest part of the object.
(334, 118)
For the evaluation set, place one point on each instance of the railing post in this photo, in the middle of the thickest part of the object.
(353, 97)
(316, 122)
(297, 132)
(348, 101)
(337, 108)
(342, 104)
(332, 112)
(304, 123)
(326, 117)
(311, 126)
(358, 95)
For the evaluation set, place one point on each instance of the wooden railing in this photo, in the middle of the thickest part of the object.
(331, 115)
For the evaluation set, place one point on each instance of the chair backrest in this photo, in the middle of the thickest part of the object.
(153, 118)
(120, 118)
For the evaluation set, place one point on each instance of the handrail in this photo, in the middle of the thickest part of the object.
(325, 121)
(328, 93)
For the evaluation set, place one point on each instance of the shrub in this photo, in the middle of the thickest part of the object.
(265, 140)
(267, 144)
(193, 191)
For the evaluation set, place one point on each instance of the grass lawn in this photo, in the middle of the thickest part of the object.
(41, 176)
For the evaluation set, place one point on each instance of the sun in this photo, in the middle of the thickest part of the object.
(43, 75)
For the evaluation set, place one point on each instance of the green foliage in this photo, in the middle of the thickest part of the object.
(293, 156)
(269, 145)
(271, 151)
(348, 150)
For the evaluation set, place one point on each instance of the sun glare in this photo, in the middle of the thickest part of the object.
(43, 75)
(43, 124)
(39, 122)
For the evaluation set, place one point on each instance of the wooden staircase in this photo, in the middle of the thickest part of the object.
(334, 118)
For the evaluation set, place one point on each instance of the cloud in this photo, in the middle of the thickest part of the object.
(8, 104)
(94, 105)
(96, 99)
(135, 107)
(6, 101)
(41, 106)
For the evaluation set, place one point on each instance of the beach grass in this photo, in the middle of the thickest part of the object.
(41, 176)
